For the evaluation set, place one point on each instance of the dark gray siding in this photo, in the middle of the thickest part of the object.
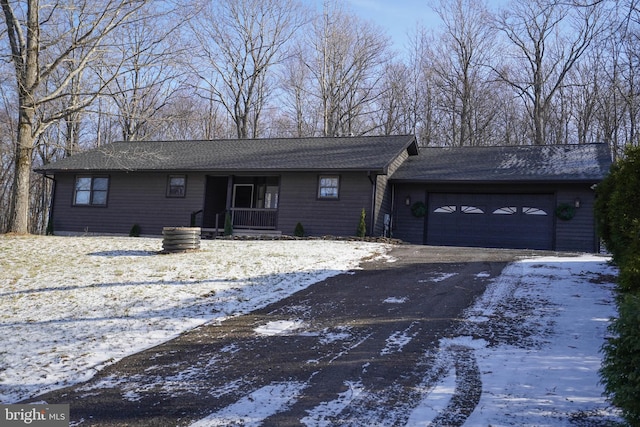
(577, 234)
(383, 196)
(406, 226)
(299, 203)
(134, 198)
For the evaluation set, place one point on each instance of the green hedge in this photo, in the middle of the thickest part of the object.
(621, 368)
(617, 212)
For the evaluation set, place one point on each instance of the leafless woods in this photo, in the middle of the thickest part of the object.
(77, 74)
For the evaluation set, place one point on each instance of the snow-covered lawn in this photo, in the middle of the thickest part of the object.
(70, 306)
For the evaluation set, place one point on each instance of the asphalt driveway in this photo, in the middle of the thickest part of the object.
(378, 327)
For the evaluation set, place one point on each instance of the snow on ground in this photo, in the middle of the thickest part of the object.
(560, 308)
(534, 336)
(69, 306)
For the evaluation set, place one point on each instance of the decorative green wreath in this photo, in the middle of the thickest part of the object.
(419, 209)
(565, 211)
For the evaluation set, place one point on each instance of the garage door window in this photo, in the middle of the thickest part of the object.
(507, 210)
(445, 209)
(471, 210)
(533, 211)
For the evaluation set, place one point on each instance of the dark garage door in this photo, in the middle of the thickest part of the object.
(490, 220)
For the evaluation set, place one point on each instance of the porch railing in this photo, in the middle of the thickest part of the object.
(258, 219)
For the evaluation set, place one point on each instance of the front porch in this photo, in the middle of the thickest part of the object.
(251, 202)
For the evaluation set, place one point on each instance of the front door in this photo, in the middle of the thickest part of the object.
(243, 196)
(215, 203)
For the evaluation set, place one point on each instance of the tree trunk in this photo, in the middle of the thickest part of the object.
(19, 221)
(25, 60)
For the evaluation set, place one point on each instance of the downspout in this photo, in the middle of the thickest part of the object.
(51, 204)
(373, 202)
(392, 210)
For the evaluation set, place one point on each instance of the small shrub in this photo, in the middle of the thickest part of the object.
(362, 225)
(228, 225)
(299, 230)
(135, 231)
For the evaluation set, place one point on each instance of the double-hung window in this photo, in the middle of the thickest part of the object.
(177, 186)
(91, 191)
(329, 187)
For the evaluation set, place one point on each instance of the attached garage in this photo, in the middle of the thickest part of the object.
(490, 220)
(500, 197)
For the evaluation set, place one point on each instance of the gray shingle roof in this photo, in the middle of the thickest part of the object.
(373, 153)
(549, 163)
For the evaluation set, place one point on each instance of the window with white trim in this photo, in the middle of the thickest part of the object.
(91, 191)
(328, 187)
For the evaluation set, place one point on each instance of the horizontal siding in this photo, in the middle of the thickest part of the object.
(134, 198)
(298, 203)
(383, 202)
(578, 233)
(406, 226)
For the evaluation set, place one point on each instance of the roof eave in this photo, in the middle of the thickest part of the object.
(376, 170)
(493, 182)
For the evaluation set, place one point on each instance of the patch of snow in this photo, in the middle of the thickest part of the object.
(395, 300)
(437, 400)
(254, 408)
(438, 277)
(341, 333)
(396, 342)
(279, 327)
(321, 415)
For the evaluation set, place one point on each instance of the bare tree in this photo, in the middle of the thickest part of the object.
(32, 29)
(548, 37)
(346, 63)
(238, 42)
(149, 75)
(461, 60)
(297, 88)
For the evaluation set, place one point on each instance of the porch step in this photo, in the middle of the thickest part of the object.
(257, 233)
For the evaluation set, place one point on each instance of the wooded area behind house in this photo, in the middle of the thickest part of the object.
(77, 74)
